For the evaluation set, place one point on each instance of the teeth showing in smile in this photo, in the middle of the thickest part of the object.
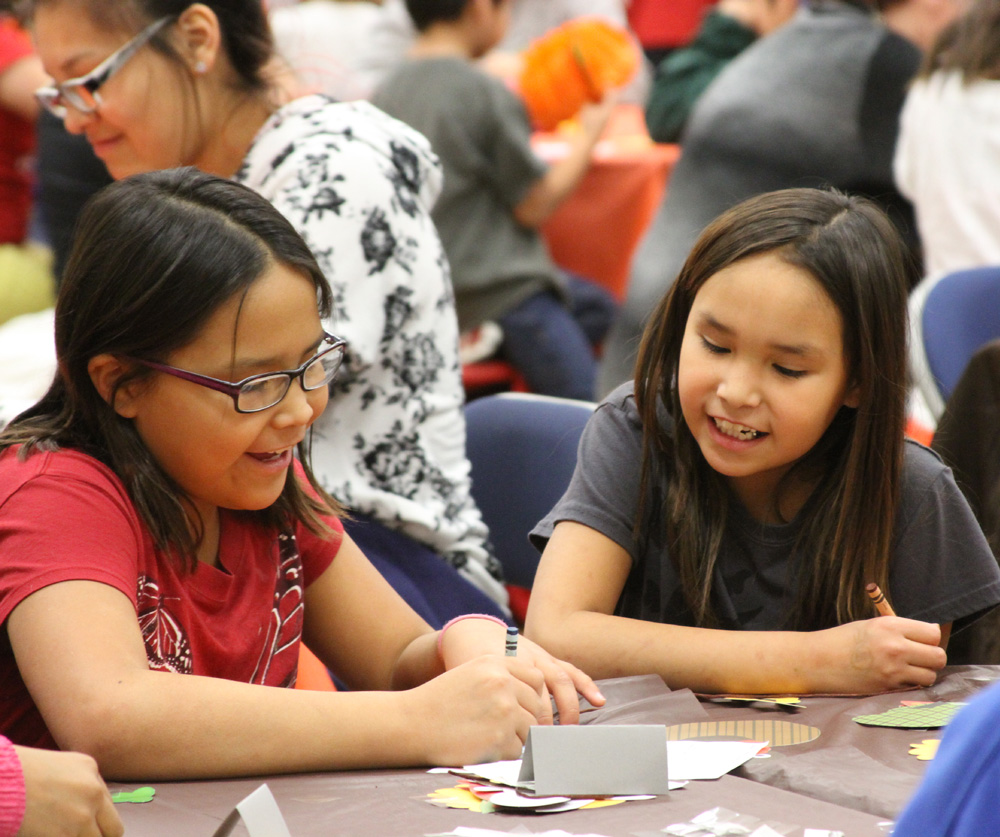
(267, 457)
(737, 431)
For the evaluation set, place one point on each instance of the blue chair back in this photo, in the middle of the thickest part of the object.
(961, 314)
(523, 451)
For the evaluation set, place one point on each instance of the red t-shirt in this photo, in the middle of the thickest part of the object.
(17, 144)
(65, 516)
(666, 23)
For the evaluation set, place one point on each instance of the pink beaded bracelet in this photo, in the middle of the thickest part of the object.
(12, 796)
(451, 622)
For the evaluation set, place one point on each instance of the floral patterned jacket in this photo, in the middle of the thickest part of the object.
(359, 186)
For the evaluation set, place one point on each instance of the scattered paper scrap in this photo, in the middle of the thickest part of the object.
(138, 795)
(926, 716)
(779, 733)
(787, 704)
(706, 760)
(925, 750)
(721, 822)
(260, 814)
(687, 760)
(457, 797)
(486, 800)
(464, 831)
(494, 772)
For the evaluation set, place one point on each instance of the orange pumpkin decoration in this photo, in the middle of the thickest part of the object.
(575, 63)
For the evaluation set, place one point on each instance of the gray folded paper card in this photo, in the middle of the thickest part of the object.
(601, 760)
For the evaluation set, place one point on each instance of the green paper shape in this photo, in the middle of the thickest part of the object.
(137, 795)
(927, 716)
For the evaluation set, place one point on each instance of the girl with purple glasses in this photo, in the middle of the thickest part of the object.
(158, 517)
(156, 84)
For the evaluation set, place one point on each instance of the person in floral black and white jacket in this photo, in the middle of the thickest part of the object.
(358, 186)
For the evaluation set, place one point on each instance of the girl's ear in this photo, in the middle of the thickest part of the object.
(200, 37)
(852, 398)
(105, 371)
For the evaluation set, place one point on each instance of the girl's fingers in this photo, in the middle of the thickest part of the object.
(564, 692)
(108, 821)
(928, 633)
(584, 685)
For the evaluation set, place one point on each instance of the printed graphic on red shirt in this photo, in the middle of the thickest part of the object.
(167, 646)
(169, 649)
(281, 645)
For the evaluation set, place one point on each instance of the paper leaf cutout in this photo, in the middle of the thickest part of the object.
(925, 750)
(458, 798)
(137, 795)
(602, 803)
(928, 716)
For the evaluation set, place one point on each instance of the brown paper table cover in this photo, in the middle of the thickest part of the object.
(391, 803)
(865, 768)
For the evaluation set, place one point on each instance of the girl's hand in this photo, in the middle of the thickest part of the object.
(65, 796)
(479, 711)
(887, 652)
(472, 638)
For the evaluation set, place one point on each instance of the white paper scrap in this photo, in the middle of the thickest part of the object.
(688, 760)
(464, 831)
(496, 772)
(764, 831)
(261, 814)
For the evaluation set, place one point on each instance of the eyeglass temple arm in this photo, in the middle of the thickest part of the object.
(212, 383)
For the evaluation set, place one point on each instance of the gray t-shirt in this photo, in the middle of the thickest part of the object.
(480, 131)
(941, 568)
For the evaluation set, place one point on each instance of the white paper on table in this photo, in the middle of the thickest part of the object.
(260, 814)
(506, 773)
(465, 831)
(497, 772)
(687, 760)
(764, 831)
(510, 798)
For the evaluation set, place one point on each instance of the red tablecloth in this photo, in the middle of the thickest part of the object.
(595, 232)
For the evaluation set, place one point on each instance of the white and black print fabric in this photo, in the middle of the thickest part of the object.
(359, 186)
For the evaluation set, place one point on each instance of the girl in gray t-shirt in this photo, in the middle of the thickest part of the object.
(726, 516)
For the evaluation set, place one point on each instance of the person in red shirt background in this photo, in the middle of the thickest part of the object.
(664, 25)
(25, 276)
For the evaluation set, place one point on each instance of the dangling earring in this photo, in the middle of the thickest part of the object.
(201, 68)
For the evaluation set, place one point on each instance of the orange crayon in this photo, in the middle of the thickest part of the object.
(879, 600)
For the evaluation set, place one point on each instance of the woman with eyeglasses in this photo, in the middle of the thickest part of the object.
(163, 552)
(154, 84)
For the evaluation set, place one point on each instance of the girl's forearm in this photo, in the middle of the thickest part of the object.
(418, 663)
(861, 657)
(704, 660)
(157, 725)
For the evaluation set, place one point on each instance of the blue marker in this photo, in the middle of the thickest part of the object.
(510, 649)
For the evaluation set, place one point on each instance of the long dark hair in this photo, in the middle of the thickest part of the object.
(970, 45)
(154, 257)
(246, 35)
(855, 253)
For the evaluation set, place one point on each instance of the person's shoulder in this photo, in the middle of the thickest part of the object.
(318, 117)
(621, 400)
(920, 459)
(307, 133)
(57, 467)
(59, 462)
(922, 468)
